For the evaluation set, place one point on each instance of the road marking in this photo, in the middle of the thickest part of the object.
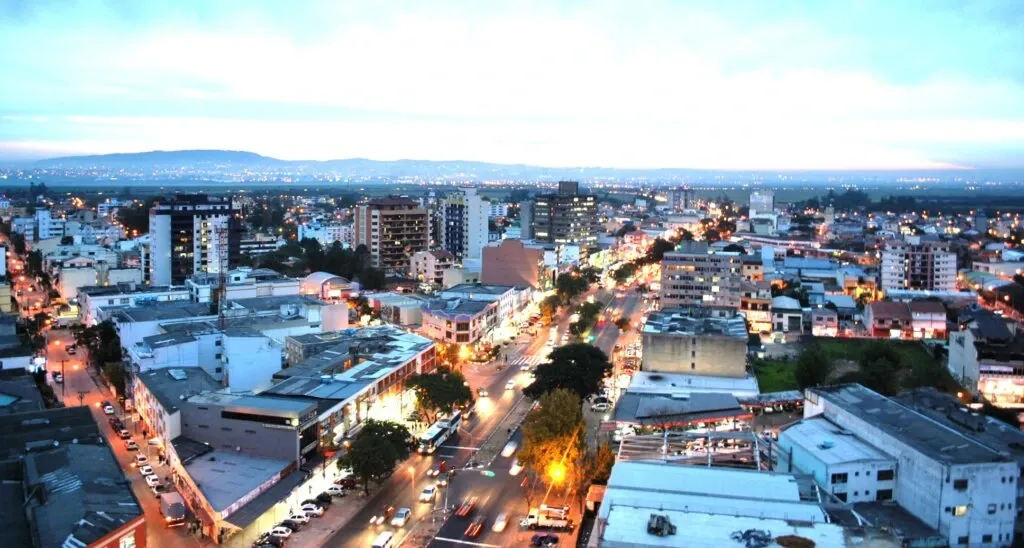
(460, 447)
(458, 541)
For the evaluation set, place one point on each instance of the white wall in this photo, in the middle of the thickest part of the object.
(160, 249)
(71, 279)
(250, 362)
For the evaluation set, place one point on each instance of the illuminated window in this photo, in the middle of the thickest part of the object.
(960, 511)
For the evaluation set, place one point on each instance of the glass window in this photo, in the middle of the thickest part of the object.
(960, 511)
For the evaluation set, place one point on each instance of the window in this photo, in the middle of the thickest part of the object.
(217, 357)
(886, 475)
(960, 484)
(963, 540)
(841, 496)
(127, 541)
(217, 342)
(991, 509)
(960, 511)
(986, 538)
(883, 494)
(839, 478)
(219, 370)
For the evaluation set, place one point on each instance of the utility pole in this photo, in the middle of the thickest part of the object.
(81, 397)
(63, 379)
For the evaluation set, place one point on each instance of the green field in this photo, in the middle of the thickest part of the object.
(775, 375)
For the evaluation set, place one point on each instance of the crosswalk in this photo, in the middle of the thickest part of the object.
(531, 361)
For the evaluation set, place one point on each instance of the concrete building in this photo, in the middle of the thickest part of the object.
(762, 202)
(787, 315)
(512, 263)
(326, 287)
(927, 320)
(824, 322)
(108, 208)
(526, 209)
(965, 490)
(405, 310)
(159, 394)
(241, 283)
(62, 484)
(697, 341)
(393, 229)
(693, 275)
(566, 217)
(47, 226)
(459, 321)
(192, 233)
(429, 266)
(918, 264)
(327, 233)
(91, 299)
(258, 244)
(463, 217)
(986, 355)
(510, 299)
(756, 306)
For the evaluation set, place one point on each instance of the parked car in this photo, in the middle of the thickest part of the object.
(267, 541)
(312, 510)
(157, 489)
(152, 481)
(603, 406)
(544, 540)
(475, 526)
(299, 517)
(324, 499)
(510, 385)
(428, 494)
(336, 491)
(509, 448)
(500, 523)
(381, 517)
(346, 483)
(107, 408)
(131, 445)
(141, 460)
(401, 517)
(292, 524)
(124, 434)
(71, 350)
(146, 470)
(515, 468)
(281, 532)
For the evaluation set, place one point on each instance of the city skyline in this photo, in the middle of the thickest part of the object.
(873, 86)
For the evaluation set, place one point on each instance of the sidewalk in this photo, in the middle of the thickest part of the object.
(495, 442)
(319, 530)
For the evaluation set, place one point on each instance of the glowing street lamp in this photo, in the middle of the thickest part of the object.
(556, 471)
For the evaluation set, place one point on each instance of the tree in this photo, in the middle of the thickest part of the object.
(371, 458)
(622, 323)
(18, 243)
(440, 392)
(734, 248)
(813, 368)
(548, 307)
(578, 367)
(624, 273)
(570, 285)
(67, 240)
(396, 434)
(553, 436)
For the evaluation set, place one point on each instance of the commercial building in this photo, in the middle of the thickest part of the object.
(566, 217)
(430, 266)
(965, 490)
(258, 244)
(986, 355)
(92, 299)
(241, 283)
(393, 229)
(824, 322)
(401, 309)
(326, 287)
(697, 341)
(512, 263)
(915, 263)
(463, 217)
(694, 275)
(62, 485)
(192, 233)
(459, 321)
(511, 300)
(787, 315)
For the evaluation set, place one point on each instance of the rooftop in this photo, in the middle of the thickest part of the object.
(830, 443)
(455, 307)
(22, 431)
(901, 422)
(889, 309)
(226, 476)
(247, 275)
(657, 409)
(257, 403)
(681, 383)
(20, 395)
(161, 311)
(171, 386)
(704, 321)
(167, 339)
(478, 288)
(127, 288)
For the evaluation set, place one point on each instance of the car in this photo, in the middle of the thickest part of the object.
(131, 445)
(152, 481)
(70, 350)
(475, 526)
(124, 434)
(428, 494)
(157, 489)
(466, 508)
(509, 448)
(312, 510)
(401, 517)
(141, 460)
(153, 442)
(510, 385)
(442, 480)
(336, 491)
(281, 532)
(324, 500)
(500, 523)
(292, 524)
(299, 517)
(603, 406)
(383, 540)
(345, 483)
(146, 470)
(58, 378)
(544, 540)
(482, 392)
(385, 514)
(515, 468)
(108, 409)
(438, 469)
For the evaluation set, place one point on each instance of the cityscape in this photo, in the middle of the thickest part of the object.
(596, 275)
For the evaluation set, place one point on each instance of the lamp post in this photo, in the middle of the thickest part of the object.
(63, 379)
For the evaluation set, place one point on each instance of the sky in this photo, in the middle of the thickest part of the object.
(641, 84)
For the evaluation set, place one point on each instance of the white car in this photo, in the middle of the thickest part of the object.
(401, 517)
(141, 460)
(152, 481)
(281, 532)
(603, 406)
(515, 468)
(108, 409)
(131, 445)
(335, 491)
(146, 470)
(509, 448)
(312, 509)
(524, 367)
(510, 385)
(500, 523)
(299, 517)
(428, 494)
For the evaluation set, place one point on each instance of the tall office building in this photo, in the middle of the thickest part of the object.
(463, 218)
(680, 199)
(762, 202)
(693, 275)
(915, 264)
(526, 220)
(392, 228)
(567, 217)
(192, 233)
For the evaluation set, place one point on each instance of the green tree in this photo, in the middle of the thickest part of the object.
(371, 458)
(439, 393)
(396, 434)
(548, 307)
(569, 286)
(624, 273)
(577, 367)
(553, 436)
(813, 368)
(622, 323)
(18, 243)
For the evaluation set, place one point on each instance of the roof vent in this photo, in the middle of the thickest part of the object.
(827, 444)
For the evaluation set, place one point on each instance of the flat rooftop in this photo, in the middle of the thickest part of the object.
(162, 311)
(167, 339)
(657, 408)
(266, 304)
(455, 307)
(127, 289)
(831, 444)
(480, 289)
(694, 322)
(927, 436)
(171, 386)
(277, 406)
(680, 383)
(226, 476)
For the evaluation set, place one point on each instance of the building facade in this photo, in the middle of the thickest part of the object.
(693, 275)
(393, 229)
(464, 224)
(566, 217)
(710, 341)
(429, 266)
(917, 264)
(192, 233)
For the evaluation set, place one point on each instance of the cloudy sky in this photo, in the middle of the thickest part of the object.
(717, 84)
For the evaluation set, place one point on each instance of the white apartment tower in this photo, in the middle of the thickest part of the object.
(762, 202)
(464, 224)
(919, 265)
(192, 233)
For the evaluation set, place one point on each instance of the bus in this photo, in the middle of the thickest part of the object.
(439, 432)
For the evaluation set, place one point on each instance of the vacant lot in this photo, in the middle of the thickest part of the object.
(775, 375)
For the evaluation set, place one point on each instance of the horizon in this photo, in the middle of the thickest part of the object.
(701, 86)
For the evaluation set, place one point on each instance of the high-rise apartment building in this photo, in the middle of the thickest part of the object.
(762, 202)
(392, 228)
(916, 264)
(464, 224)
(526, 220)
(192, 233)
(694, 275)
(567, 217)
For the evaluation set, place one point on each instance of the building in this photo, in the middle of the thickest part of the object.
(159, 394)
(47, 226)
(824, 322)
(965, 490)
(756, 306)
(393, 229)
(697, 341)
(459, 321)
(91, 299)
(986, 355)
(512, 263)
(693, 275)
(429, 266)
(108, 208)
(566, 217)
(497, 209)
(241, 283)
(401, 309)
(787, 315)
(327, 233)
(62, 484)
(326, 287)
(511, 299)
(526, 209)
(192, 233)
(762, 202)
(464, 224)
(258, 244)
(927, 319)
(918, 264)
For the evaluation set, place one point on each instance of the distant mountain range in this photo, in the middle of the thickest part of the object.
(233, 162)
